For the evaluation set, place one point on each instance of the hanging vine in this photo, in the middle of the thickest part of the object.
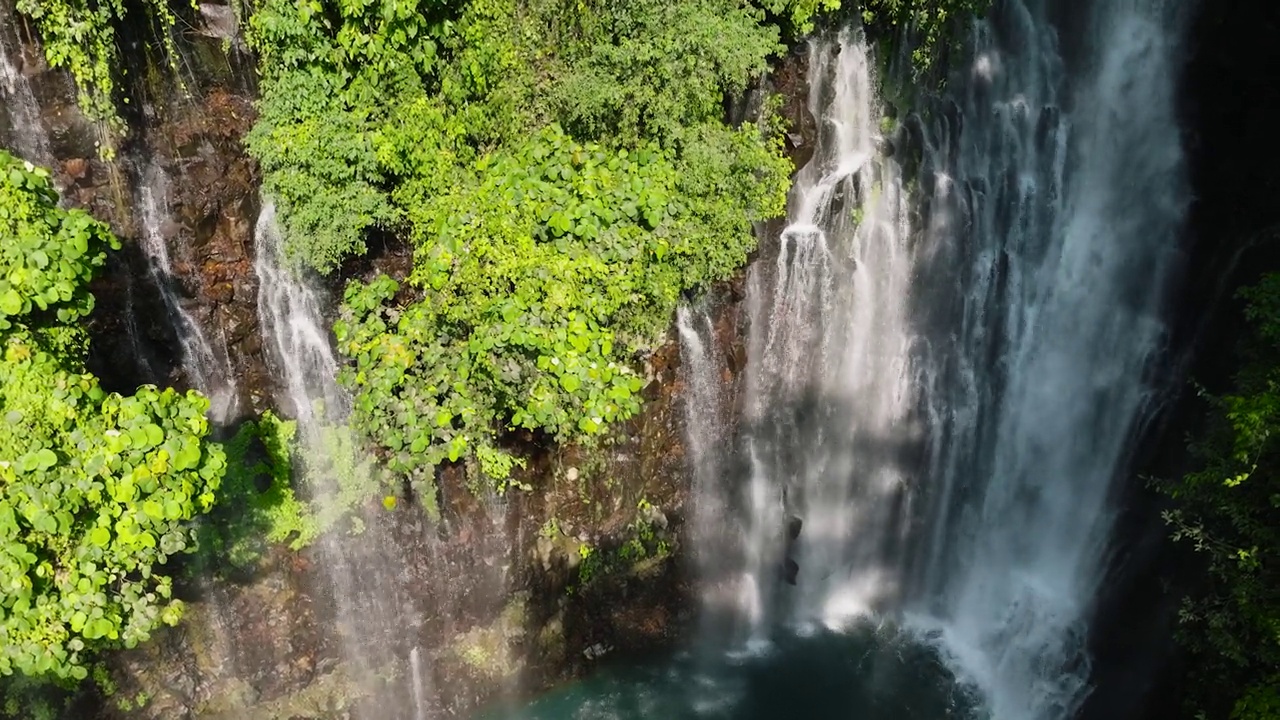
(80, 36)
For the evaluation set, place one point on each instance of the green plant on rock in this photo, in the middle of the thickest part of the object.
(344, 478)
(97, 490)
(591, 563)
(645, 540)
(333, 73)
(1229, 511)
(496, 466)
(928, 22)
(564, 172)
(257, 504)
(540, 278)
(550, 529)
(81, 37)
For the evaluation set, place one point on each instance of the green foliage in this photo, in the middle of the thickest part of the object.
(1229, 511)
(81, 37)
(930, 23)
(652, 68)
(645, 539)
(564, 172)
(256, 503)
(318, 160)
(641, 540)
(540, 277)
(1259, 702)
(96, 489)
(48, 254)
(798, 14)
(344, 478)
(495, 466)
(332, 71)
(590, 564)
(352, 139)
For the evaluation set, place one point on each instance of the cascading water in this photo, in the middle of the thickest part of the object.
(949, 361)
(360, 571)
(1075, 245)
(207, 366)
(828, 383)
(705, 428)
(26, 135)
(389, 577)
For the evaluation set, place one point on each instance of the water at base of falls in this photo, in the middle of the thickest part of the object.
(866, 672)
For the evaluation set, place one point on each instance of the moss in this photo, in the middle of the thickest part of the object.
(329, 697)
(490, 650)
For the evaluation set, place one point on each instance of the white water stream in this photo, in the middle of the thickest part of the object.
(947, 371)
(206, 362)
(363, 574)
(26, 136)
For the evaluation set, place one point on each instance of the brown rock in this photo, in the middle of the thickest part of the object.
(76, 168)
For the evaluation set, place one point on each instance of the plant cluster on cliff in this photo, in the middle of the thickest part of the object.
(564, 172)
(929, 24)
(1229, 511)
(82, 38)
(96, 489)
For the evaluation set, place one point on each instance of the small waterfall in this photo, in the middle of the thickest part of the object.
(290, 310)
(363, 574)
(419, 686)
(207, 365)
(949, 360)
(705, 427)
(26, 135)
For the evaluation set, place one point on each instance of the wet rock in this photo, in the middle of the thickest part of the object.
(76, 169)
(491, 651)
(790, 569)
(790, 80)
(218, 21)
(597, 651)
(793, 527)
(544, 547)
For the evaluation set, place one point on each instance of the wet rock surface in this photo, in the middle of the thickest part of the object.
(504, 596)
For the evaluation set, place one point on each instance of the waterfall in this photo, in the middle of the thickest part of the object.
(950, 360)
(26, 134)
(290, 311)
(419, 686)
(705, 428)
(1075, 246)
(828, 384)
(362, 572)
(207, 365)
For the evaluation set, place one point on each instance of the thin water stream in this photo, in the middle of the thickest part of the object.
(205, 361)
(19, 111)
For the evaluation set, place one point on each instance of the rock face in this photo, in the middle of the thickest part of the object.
(191, 132)
(524, 592)
(521, 594)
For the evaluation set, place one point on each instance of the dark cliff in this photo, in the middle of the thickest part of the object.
(1228, 98)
